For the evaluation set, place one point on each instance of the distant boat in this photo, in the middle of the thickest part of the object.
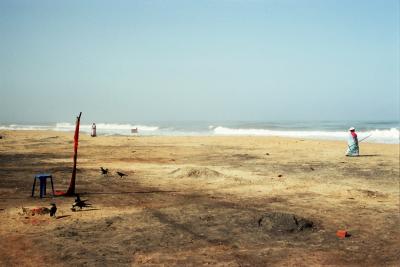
(135, 130)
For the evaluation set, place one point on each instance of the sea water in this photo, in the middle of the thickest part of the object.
(378, 131)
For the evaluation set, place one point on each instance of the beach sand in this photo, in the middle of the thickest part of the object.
(195, 201)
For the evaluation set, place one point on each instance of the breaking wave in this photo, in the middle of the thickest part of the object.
(380, 136)
(102, 128)
(65, 126)
(380, 133)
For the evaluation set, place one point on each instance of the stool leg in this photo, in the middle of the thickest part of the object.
(44, 187)
(41, 188)
(52, 186)
(33, 186)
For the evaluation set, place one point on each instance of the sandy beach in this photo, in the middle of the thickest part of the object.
(195, 201)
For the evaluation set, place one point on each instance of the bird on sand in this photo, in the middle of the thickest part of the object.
(80, 203)
(104, 171)
(53, 210)
(121, 174)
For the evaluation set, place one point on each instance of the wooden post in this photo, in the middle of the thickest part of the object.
(71, 189)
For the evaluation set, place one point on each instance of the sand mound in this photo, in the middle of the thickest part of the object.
(277, 222)
(201, 172)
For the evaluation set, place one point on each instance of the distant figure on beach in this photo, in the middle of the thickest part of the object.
(93, 134)
(352, 143)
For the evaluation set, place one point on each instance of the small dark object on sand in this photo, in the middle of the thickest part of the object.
(104, 171)
(53, 210)
(312, 168)
(80, 203)
(280, 175)
(121, 174)
(267, 154)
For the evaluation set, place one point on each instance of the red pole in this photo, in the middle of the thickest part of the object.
(71, 189)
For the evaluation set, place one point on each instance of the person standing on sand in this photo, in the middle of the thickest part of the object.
(93, 134)
(352, 144)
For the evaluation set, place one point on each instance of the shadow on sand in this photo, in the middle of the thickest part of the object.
(85, 210)
(62, 216)
(50, 197)
(370, 155)
(122, 193)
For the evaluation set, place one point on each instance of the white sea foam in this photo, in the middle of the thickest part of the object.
(23, 127)
(102, 128)
(389, 135)
(107, 127)
(379, 136)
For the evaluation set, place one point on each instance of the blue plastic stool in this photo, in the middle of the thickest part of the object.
(42, 182)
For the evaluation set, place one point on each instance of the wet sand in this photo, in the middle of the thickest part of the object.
(195, 201)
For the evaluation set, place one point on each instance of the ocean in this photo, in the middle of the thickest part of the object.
(378, 131)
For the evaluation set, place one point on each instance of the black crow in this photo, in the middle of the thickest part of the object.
(121, 174)
(80, 203)
(53, 210)
(104, 171)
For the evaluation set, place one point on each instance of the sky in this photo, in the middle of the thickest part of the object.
(211, 60)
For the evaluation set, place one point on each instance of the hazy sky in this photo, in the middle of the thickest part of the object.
(128, 61)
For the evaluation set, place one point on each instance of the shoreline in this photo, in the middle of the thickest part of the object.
(316, 139)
